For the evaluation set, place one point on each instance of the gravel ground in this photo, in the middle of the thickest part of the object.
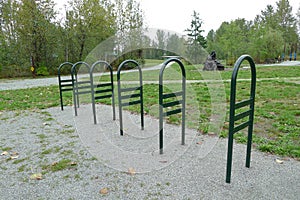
(38, 141)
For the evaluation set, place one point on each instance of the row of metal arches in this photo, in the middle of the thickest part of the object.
(106, 90)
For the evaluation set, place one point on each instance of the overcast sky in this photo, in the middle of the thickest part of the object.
(175, 15)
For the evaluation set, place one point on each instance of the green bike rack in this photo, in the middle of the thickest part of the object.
(64, 84)
(127, 96)
(102, 90)
(80, 87)
(235, 117)
(163, 96)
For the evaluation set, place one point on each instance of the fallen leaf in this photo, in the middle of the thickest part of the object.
(37, 176)
(4, 153)
(72, 163)
(279, 161)
(14, 153)
(199, 143)
(131, 171)
(211, 134)
(14, 157)
(54, 163)
(104, 191)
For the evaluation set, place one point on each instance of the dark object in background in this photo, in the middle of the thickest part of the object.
(212, 63)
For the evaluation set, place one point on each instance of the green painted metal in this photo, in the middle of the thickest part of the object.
(80, 87)
(64, 84)
(163, 96)
(129, 96)
(103, 90)
(246, 114)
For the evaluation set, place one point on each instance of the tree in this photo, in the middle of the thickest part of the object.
(287, 24)
(130, 30)
(232, 39)
(34, 18)
(129, 22)
(196, 42)
(176, 44)
(88, 23)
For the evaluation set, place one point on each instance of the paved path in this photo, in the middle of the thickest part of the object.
(39, 82)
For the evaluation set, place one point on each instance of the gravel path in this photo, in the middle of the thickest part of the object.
(38, 141)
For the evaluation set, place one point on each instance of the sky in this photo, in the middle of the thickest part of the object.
(176, 15)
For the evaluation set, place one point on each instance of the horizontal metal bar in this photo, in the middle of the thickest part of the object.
(83, 92)
(103, 91)
(241, 126)
(173, 103)
(65, 80)
(242, 115)
(103, 85)
(130, 89)
(82, 82)
(103, 97)
(172, 112)
(66, 85)
(83, 87)
(170, 95)
(130, 96)
(243, 103)
(131, 103)
(66, 89)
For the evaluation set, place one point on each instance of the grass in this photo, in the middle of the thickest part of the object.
(277, 114)
(58, 166)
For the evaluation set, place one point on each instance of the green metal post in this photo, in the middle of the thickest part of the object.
(162, 105)
(120, 90)
(233, 117)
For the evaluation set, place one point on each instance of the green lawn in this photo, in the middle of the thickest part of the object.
(277, 113)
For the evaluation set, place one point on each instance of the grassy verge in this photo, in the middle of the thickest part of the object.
(277, 114)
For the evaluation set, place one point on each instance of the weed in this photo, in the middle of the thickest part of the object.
(58, 166)
(19, 160)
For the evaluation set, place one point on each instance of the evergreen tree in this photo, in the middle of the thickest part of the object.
(196, 42)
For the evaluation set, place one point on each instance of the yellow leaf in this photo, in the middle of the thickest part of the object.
(104, 191)
(72, 163)
(4, 153)
(14, 153)
(131, 171)
(279, 161)
(14, 157)
(37, 176)
(54, 163)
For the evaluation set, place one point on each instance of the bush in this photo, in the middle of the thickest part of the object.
(42, 71)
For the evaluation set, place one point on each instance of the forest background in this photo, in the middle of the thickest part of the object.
(35, 39)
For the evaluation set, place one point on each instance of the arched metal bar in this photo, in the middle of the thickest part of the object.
(235, 117)
(80, 87)
(64, 84)
(163, 105)
(127, 97)
(100, 91)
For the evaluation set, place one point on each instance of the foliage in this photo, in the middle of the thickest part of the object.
(196, 42)
(271, 34)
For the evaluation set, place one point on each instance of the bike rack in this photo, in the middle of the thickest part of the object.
(80, 87)
(64, 84)
(129, 96)
(162, 104)
(235, 117)
(103, 90)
